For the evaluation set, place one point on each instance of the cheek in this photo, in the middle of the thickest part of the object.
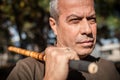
(94, 30)
(67, 34)
(71, 36)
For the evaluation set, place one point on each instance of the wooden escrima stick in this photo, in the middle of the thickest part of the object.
(80, 65)
(36, 55)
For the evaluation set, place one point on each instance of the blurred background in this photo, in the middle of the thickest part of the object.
(24, 23)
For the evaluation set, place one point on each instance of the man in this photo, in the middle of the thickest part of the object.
(74, 24)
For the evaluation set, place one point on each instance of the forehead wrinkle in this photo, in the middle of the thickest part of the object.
(83, 4)
(79, 16)
(75, 2)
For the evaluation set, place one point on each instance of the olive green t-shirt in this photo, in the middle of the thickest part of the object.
(32, 69)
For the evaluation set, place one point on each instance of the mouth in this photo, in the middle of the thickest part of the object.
(86, 43)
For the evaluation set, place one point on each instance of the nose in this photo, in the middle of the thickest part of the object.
(85, 27)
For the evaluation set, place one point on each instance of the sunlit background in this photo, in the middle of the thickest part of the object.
(24, 23)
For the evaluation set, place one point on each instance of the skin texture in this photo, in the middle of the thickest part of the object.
(75, 30)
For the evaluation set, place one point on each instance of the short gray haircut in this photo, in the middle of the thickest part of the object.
(54, 11)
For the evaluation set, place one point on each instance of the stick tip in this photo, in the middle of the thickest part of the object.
(93, 68)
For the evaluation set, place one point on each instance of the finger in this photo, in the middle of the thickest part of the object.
(72, 55)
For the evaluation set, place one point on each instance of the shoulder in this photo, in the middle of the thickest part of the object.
(107, 63)
(30, 63)
(102, 63)
(108, 68)
(27, 69)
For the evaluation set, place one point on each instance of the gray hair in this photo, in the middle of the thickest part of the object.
(54, 12)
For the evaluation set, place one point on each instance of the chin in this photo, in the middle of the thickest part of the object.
(83, 53)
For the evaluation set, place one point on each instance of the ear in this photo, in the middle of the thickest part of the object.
(53, 25)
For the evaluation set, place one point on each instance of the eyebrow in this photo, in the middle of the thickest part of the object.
(93, 15)
(73, 15)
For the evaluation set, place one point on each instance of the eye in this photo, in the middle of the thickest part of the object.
(74, 20)
(92, 20)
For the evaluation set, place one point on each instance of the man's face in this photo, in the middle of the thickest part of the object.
(76, 26)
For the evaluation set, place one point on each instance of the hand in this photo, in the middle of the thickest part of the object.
(57, 62)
